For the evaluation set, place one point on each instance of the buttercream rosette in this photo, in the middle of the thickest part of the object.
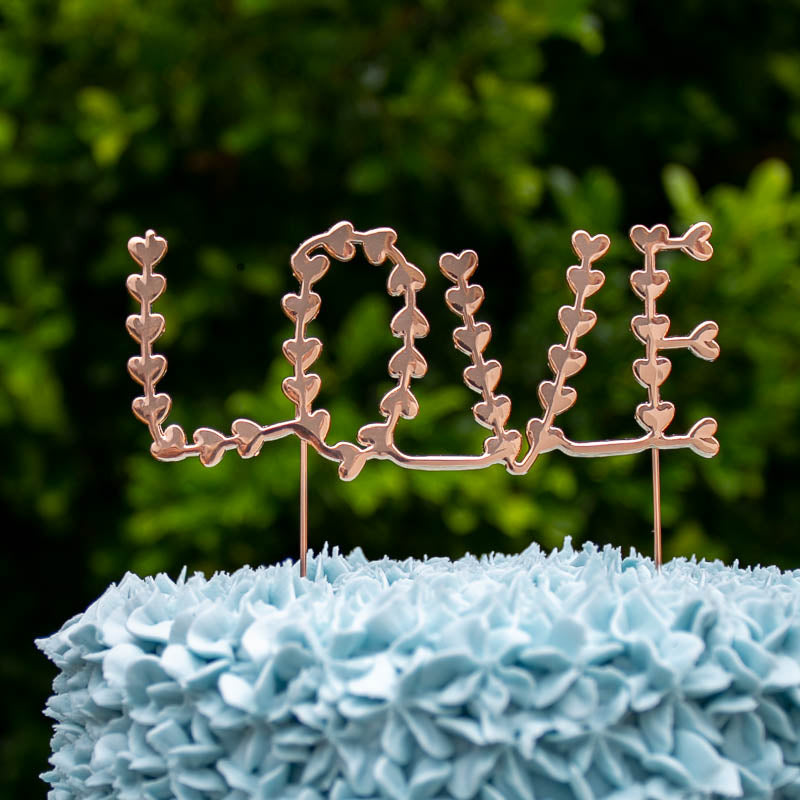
(575, 674)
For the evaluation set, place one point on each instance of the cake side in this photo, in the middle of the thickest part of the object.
(578, 674)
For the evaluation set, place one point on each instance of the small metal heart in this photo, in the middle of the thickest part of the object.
(151, 368)
(642, 237)
(377, 436)
(339, 241)
(172, 447)
(148, 289)
(645, 284)
(147, 251)
(703, 441)
(505, 446)
(318, 423)
(697, 243)
(590, 247)
(655, 419)
(295, 304)
(494, 412)
(310, 268)
(458, 266)
(483, 376)
(377, 244)
(399, 400)
(574, 319)
(704, 342)
(305, 350)
(408, 361)
(409, 320)
(467, 299)
(657, 328)
(403, 278)
(568, 362)
(148, 329)
(477, 338)
(542, 440)
(248, 433)
(649, 373)
(353, 460)
(585, 281)
(211, 444)
(152, 409)
(558, 403)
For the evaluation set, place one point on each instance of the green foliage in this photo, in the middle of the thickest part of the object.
(236, 128)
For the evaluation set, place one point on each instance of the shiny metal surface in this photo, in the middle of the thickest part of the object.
(311, 262)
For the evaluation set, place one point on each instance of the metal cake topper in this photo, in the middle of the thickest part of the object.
(312, 260)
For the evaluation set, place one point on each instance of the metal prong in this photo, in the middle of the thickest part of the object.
(303, 506)
(656, 509)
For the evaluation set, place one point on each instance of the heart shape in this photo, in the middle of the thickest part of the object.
(146, 289)
(399, 400)
(307, 350)
(409, 360)
(656, 418)
(588, 247)
(576, 319)
(378, 437)
(338, 241)
(404, 278)
(211, 445)
(484, 376)
(377, 244)
(557, 403)
(644, 328)
(309, 269)
(458, 267)
(318, 423)
(696, 242)
(643, 237)
(541, 440)
(142, 329)
(505, 446)
(464, 300)
(649, 284)
(483, 414)
(151, 368)
(172, 446)
(493, 413)
(147, 251)
(585, 282)
(409, 320)
(564, 361)
(307, 308)
(652, 373)
(153, 409)
(474, 340)
(703, 339)
(352, 460)
(303, 390)
(248, 434)
(702, 437)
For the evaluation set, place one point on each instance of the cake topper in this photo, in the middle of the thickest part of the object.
(309, 264)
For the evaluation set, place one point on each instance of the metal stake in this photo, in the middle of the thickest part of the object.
(656, 509)
(304, 506)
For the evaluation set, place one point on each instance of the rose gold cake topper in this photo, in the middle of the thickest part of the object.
(312, 260)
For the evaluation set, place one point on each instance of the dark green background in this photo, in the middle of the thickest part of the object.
(237, 128)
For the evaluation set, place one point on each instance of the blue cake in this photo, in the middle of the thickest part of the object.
(578, 674)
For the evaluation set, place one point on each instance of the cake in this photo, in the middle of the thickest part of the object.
(576, 674)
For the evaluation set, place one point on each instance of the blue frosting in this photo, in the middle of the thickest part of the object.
(579, 674)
